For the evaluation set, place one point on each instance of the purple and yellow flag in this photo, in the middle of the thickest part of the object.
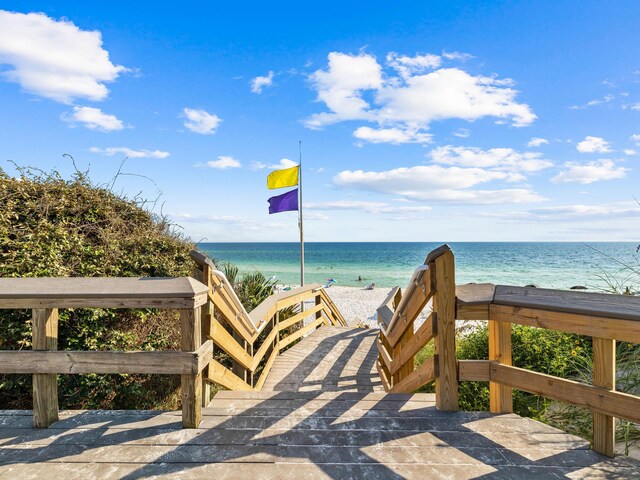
(284, 203)
(283, 178)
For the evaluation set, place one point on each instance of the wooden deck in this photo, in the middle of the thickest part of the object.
(322, 414)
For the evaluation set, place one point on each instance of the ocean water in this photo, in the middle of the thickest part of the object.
(548, 264)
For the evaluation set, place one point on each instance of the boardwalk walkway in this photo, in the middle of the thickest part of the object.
(321, 414)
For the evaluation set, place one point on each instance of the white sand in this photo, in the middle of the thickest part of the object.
(357, 304)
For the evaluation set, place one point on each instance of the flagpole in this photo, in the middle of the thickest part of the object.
(300, 216)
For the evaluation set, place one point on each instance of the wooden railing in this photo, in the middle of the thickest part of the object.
(604, 317)
(46, 295)
(254, 339)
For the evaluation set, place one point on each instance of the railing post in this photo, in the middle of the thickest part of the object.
(444, 304)
(604, 375)
(500, 397)
(318, 302)
(191, 383)
(45, 385)
(207, 316)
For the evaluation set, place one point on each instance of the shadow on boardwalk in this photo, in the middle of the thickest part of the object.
(329, 422)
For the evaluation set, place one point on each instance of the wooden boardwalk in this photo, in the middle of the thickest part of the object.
(322, 414)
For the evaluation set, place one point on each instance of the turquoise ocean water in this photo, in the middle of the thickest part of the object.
(551, 265)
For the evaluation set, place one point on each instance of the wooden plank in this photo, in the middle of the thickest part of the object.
(475, 293)
(407, 367)
(601, 327)
(221, 375)
(298, 317)
(267, 368)
(383, 376)
(82, 362)
(604, 376)
(45, 386)
(472, 312)
(191, 339)
(259, 355)
(333, 308)
(101, 292)
(422, 375)
(384, 355)
(296, 335)
(229, 314)
(422, 336)
(297, 298)
(226, 342)
(207, 315)
(626, 307)
(278, 301)
(204, 355)
(444, 304)
(415, 298)
(609, 402)
(473, 370)
(500, 396)
(385, 315)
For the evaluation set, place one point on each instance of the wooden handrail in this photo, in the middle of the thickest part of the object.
(248, 342)
(604, 317)
(45, 295)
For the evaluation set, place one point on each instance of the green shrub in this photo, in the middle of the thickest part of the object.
(54, 227)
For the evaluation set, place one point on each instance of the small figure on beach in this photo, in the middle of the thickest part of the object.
(371, 286)
(359, 278)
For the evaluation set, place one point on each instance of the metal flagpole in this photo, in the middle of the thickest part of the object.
(300, 216)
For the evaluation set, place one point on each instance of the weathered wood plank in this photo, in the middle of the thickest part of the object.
(472, 301)
(114, 292)
(262, 351)
(606, 305)
(384, 355)
(419, 377)
(221, 375)
(226, 342)
(267, 368)
(191, 340)
(608, 402)
(444, 304)
(45, 386)
(473, 370)
(296, 335)
(333, 308)
(298, 317)
(500, 396)
(601, 327)
(383, 376)
(82, 362)
(422, 336)
(604, 376)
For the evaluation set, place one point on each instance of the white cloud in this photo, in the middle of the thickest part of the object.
(258, 83)
(93, 119)
(590, 172)
(54, 59)
(282, 164)
(391, 135)
(501, 159)
(224, 162)
(537, 142)
(408, 66)
(370, 207)
(200, 121)
(593, 144)
(463, 57)
(591, 103)
(629, 151)
(409, 95)
(635, 138)
(462, 133)
(436, 183)
(128, 152)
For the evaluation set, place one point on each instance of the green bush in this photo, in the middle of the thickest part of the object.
(54, 227)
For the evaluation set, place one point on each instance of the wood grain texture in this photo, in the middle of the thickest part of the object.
(500, 396)
(114, 292)
(221, 375)
(473, 370)
(191, 340)
(422, 375)
(422, 336)
(45, 386)
(604, 375)
(608, 402)
(601, 327)
(570, 301)
(230, 345)
(285, 342)
(444, 305)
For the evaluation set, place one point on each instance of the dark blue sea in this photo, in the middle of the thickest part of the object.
(552, 265)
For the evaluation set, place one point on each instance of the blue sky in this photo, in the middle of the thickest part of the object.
(420, 121)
